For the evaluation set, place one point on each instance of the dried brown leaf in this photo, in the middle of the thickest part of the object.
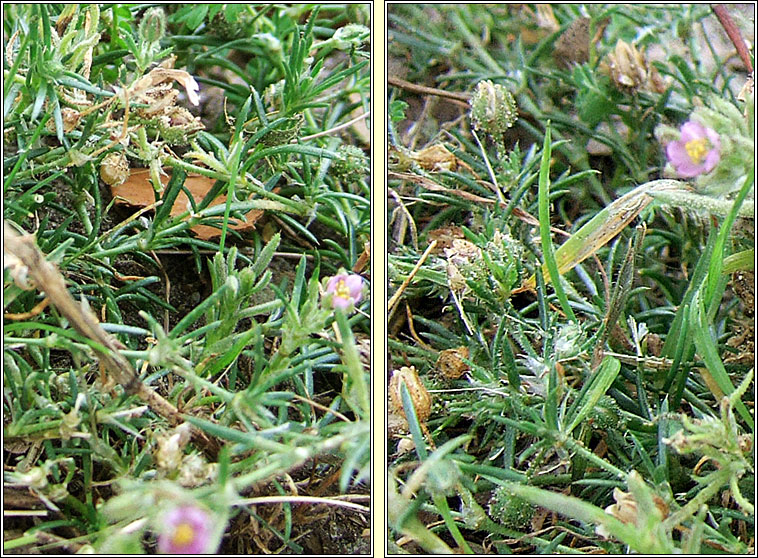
(137, 191)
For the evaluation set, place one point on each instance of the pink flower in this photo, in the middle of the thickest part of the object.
(697, 152)
(346, 289)
(186, 530)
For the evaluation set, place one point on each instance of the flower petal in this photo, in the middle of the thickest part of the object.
(176, 522)
(342, 303)
(713, 137)
(331, 286)
(692, 130)
(678, 156)
(192, 88)
(711, 160)
(354, 284)
(689, 170)
(676, 153)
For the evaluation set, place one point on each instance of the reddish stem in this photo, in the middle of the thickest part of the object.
(734, 34)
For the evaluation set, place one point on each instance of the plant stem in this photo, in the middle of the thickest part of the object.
(734, 34)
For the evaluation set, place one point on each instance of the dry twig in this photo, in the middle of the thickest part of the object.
(48, 279)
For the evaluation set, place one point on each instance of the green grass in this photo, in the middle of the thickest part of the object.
(236, 332)
(601, 370)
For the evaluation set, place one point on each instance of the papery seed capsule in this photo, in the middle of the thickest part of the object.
(573, 45)
(627, 66)
(422, 400)
(70, 119)
(114, 169)
(450, 362)
(405, 445)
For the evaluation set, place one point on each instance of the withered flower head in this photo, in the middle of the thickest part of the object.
(630, 70)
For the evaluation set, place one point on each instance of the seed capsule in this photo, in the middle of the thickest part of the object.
(450, 362)
(70, 119)
(114, 169)
(422, 400)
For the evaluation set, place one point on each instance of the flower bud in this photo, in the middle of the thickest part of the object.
(510, 510)
(443, 478)
(351, 36)
(568, 341)
(152, 28)
(230, 23)
(352, 163)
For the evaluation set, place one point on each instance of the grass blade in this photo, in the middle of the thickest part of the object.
(544, 217)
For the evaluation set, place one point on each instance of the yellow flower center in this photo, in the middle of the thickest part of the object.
(697, 149)
(342, 290)
(184, 534)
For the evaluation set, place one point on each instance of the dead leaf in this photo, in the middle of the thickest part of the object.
(435, 158)
(364, 259)
(546, 18)
(445, 236)
(137, 191)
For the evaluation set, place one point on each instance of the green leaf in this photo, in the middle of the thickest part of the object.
(350, 358)
(170, 194)
(196, 16)
(544, 218)
(610, 221)
(601, 381)
(265, 255)
(708, 351)
(249, 440)
(397, 111)
(717, 258)
(39, 102)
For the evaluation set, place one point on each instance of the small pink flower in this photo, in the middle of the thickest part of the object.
(346, 289)
(186, 530)
(697, 152)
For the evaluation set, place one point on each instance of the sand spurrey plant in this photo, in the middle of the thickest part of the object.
(599, 355)
(185, 530)
(171, 211)
(697, 152)
(345, 290)
(715, 147)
